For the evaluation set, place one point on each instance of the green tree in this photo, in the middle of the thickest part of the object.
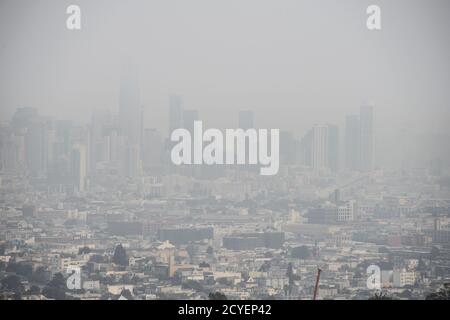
(434, 253)
(120, 256)
(34, 290)
(84, 250)
(194, 285)
(380, 295)
(41, 275)
(217, 296)
(442, 294)
(12, 283)
(22, 269)
(56, 288)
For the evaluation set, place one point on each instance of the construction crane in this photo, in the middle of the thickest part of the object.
(316, 288)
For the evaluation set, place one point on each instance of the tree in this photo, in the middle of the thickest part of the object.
(34, 290)
(22, 269)
(194, 285)
(41, 275)
(224, 281)
(265, 267)
(12, 283)
(434, 253)
(217, 296)
(380, 295)
(126, 294)
(84, 250)
(210, 250)
(421, 266)
(56, 288)
(120, 256)
(442, 294)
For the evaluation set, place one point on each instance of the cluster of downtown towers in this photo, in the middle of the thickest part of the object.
(63, 154)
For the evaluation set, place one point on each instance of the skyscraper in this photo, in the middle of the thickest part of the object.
(130, 111)
(245, 122)
(79, 167)
(12, 150)
(333, 148)
(320, 149)
(133, 163)
(99, 151)
(352, 142)
(189, 116)
(366, 138)
(152, 151)
(31, 141)
(36, 147)
(287, 147)
(175, 113)
(359, 140)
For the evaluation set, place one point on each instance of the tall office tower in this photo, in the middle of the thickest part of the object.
(366, 138)
(152, 150)
(79, 167)
(246, 119)
(63, 144)
(37, 147)
(130, 110)
(99, 150)
(80, 135)
(306, 149)
(189, 116)
(116, 148)
(26, 142)
(133, 163)
(352, 144)
(175, 122)
(333, 148)
(288, 147)
(245, 122)
(175, 113)
(320, 148)
(12, 150)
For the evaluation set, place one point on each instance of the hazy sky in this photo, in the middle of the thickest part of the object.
(294, 62)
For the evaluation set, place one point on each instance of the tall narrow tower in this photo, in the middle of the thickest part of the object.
(366, 138)
(130, 112)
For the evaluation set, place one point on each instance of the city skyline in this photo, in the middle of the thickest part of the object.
(224, 150)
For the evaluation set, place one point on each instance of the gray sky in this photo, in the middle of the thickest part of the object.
(293, 62)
